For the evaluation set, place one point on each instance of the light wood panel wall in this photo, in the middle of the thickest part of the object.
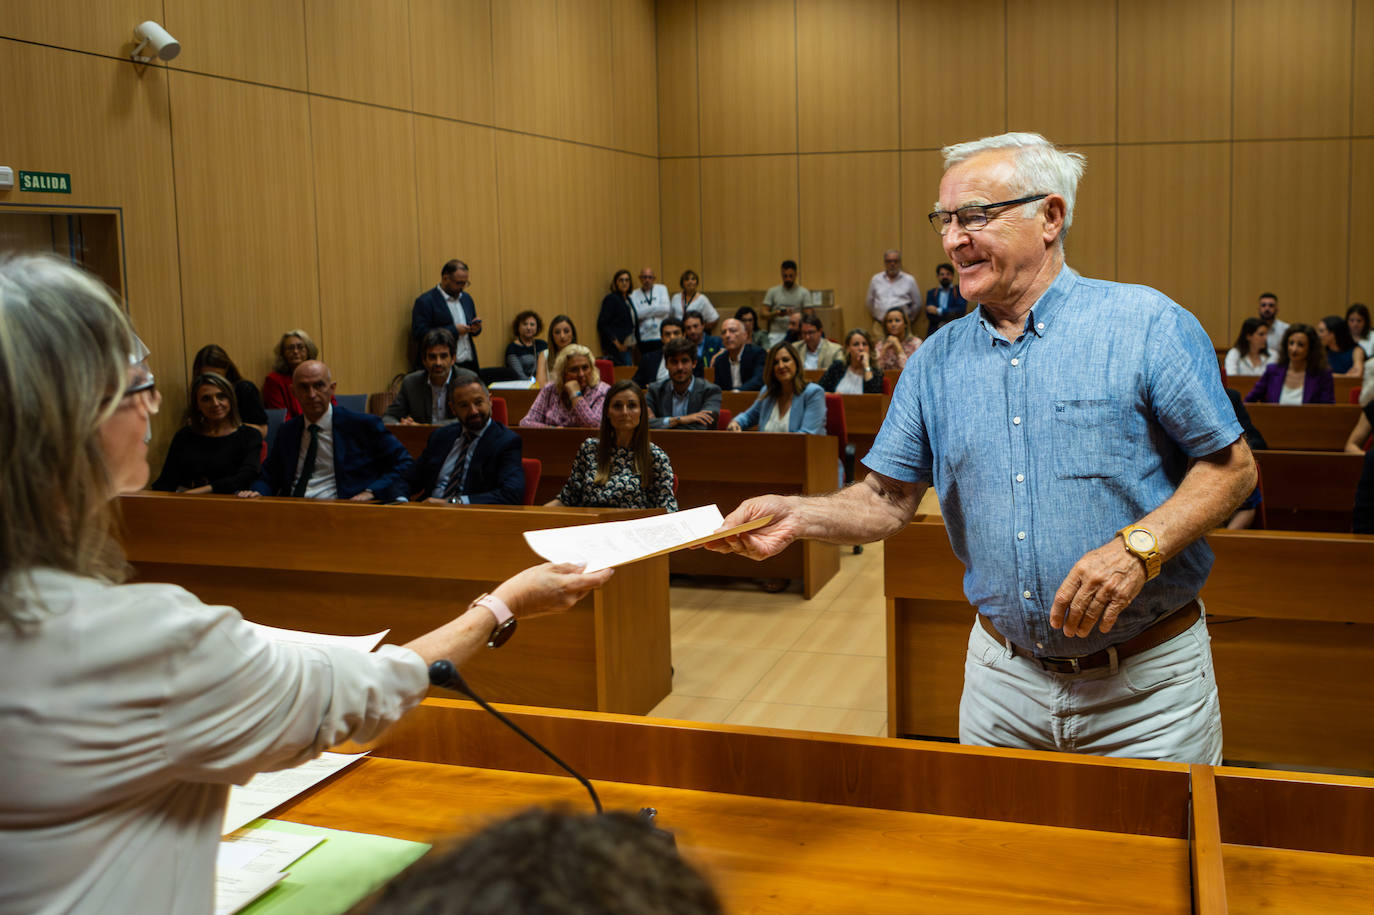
(1226, 142)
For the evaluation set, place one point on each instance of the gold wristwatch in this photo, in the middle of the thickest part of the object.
(1144, 545)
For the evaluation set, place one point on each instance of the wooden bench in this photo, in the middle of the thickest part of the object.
(1292, 631)
(350, 569)
(1310, 427)
(1309, 490)
(1344, 385)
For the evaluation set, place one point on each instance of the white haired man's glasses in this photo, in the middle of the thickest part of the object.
(974, 216)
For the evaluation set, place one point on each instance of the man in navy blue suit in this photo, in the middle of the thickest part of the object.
(475, 461)
(449, 306)
(651, 367)
(329, 452)
(707, 344)
(739, 365)
(943, 302)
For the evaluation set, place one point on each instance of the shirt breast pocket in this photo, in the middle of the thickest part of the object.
(1087, 440)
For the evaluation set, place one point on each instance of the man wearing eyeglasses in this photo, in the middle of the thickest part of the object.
(1080, 452)
(892, 287)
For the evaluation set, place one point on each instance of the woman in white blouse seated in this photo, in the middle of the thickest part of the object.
(1251, 353)
(126, 711)
(854, 374)
(787, 403)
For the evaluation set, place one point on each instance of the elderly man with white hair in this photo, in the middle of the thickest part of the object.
(1080, 452)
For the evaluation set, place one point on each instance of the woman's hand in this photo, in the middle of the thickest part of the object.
(733, 427)
(571, 389)
(548, 588)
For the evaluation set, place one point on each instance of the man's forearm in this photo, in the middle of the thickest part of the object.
(1211, 491)
(871, 510)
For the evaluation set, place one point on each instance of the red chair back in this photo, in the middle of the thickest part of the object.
(607, 370)
(887, 385)
(675, 484)
(834, 419)
(723, 420)
(534, 469)
(1355, 396)
(499, 412)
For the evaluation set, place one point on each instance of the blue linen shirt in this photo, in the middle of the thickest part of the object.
(1043, 447)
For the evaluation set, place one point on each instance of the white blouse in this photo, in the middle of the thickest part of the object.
(851, 383)
(1238, 363)
(778, 422)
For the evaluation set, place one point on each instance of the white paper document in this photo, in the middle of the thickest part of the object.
(363, 643)
(268, 790)
(236, 889)
(614, 543)
(262, 851)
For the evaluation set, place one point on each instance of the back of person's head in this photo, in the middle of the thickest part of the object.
(1248, 327)
(548, 863)
(462, 377)
(213, 358)
(679, 346)
(438, 336)
(55, 485)
(194, 417)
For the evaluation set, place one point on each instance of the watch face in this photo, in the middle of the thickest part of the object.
(502, 633)
(1141, 540)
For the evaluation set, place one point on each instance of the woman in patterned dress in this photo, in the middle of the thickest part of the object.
(620, 468)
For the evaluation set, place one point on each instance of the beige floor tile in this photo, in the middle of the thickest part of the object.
(748, 628)
(882, 728)
(719, 671)
(807, 718)
(845, 633)
(678, 617)
(694, 708)
(828, 680)
(860, 598)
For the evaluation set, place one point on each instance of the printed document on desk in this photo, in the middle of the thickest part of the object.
(614, 543)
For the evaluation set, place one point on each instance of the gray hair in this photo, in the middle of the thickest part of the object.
(1039, 167)
(65, 346)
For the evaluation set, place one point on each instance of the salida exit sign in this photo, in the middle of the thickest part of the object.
(45, 182)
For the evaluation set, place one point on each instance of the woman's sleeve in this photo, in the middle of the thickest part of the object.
(1232, 361)
(750, 417)
(514, 362)
(174, 470)
(662, 490)
(890, 357)
(537, 415)
(813, 420)
(1257, 391)
(1326, 388)
(831, 378)
(274, 394)
(874, 385)
(583, 466)
(250, 403)
(587, 408)
(247, 446)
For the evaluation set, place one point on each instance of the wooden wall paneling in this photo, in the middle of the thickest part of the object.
(109, 127)
(524, 54)
(679, 182)
(676, 46)
(1361, 279)
(530, 173)
(450, 58)
(1173, 228)
(1090, 247)
(1292, 69)
(849, 215)
(100, 28)
(749, 220)
(247, 244)
(1061, 69)
(938, 39)
(584, 215)
(634, 76)
(456, 203)
(359, 50)
(748, 76)
(847, 75)
(262, 41)
(1281, 253)
(366, 219)
(587, 98)
(636, 179)
(1174, 83)
(1363, 76)
(921, 248)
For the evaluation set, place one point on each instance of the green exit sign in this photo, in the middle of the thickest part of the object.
(45, 182)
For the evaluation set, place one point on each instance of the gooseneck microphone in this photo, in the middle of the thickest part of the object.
(443, 674)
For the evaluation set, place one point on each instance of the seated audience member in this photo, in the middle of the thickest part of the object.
(1357, 319)
(575, 395)
(1344, 356)
(854, 374)
(562, 331)
(526, 355)
(682, 400)
(543, 861)
(620, 468)
(1299, 375)
(449, 306)
(783, 301)
(423, 397)
(793, 334)
(814, 351)
(331, 452)
(787, 404)
(899, 343)
(691, 300)
(616, 322)
(651, 306)
(706, 345)
(278, 393)
(213, 358)
(214, 451)
(1250, 354)
(475, 461)
(652, 367)
(128, 709)
(739, 364)
(756, 335)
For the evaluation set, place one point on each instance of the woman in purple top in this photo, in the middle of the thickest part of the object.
(1300, 375)
(575, 396)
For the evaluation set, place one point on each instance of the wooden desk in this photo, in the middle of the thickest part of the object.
(1309, 490)
(863, 414)
(1292, 641)
(1310, 427)
(724, 468)
(797, 822)
(349, 568)
(1242, 384)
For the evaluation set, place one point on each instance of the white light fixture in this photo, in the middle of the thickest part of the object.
(150, 33)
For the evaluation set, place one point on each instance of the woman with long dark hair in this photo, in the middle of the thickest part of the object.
(616, 322)
(1250, 354)
(213, 358)
(787, 403)
(562, 332)
(214, 451)
(1343, 355)
(1299, 375)
(620, 468)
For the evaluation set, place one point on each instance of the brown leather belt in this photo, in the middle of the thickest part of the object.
(1174, 624)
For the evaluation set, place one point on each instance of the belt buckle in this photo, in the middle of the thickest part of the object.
(1058, 665)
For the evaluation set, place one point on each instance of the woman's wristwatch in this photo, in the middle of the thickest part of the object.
(505, 620)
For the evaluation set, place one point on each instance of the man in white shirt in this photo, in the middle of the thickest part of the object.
(651, 307)
(1269, 314)
(449, 306)
(892, 288)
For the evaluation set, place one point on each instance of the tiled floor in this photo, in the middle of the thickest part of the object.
(743, 656)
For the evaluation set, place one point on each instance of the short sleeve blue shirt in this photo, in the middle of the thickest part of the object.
(1042, 448)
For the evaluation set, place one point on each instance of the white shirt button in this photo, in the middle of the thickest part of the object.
(1026, 595)
(1040, 326)
(1016, 362)
(1020, 478)
(1020, 535)
(1016, 420)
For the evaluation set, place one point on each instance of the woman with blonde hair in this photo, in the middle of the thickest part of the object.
(575, 395)
(294, 347)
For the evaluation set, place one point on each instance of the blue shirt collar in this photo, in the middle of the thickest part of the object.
(1044, 311)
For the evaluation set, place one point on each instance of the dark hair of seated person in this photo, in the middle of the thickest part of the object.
(213, 356)
(639, 444)
(438, 336)
(1316, 353)
(548, 862)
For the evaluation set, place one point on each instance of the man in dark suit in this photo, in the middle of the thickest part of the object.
(739, 365)
(449, 306)
(706, 345)
(329, 452)
(943, 302)
(475, 461)
(652, 367)
(682, 400)
(423, 397)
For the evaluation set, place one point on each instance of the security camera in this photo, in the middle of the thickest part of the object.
(161, 40)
